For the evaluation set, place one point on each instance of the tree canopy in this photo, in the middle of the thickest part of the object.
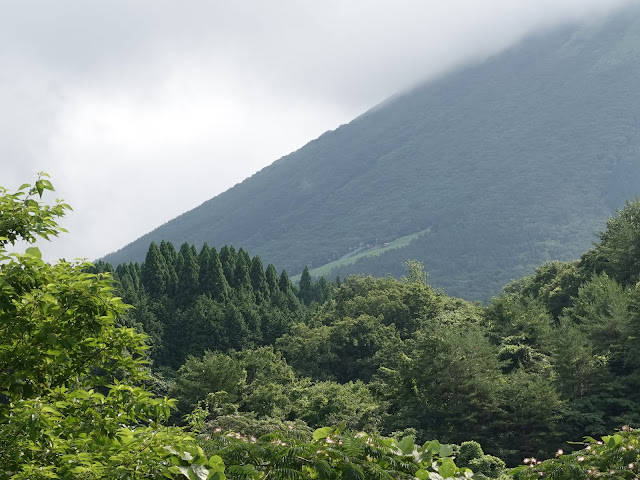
(73, 400)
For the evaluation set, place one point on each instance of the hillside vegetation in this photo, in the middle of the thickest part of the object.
(344, 380)
(554, 357)
(509, 163)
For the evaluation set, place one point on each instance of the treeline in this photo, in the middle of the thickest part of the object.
(553, 358)
(189, 301)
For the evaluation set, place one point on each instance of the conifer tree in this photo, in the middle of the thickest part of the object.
(236, 332)
(204, 262)
(218, 282)
(188, 275)
(306, 287)
(241, 278)
(168, 252)
(290, 301)
(259, 280)
(170, 255)
(322, 290)
(284, 283)
(228, 259)
(154, 272)
(271, 277)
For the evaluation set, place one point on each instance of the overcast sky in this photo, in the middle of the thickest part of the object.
(143, 109)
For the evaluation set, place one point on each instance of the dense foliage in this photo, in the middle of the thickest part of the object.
(332, 452)
(502, 165)
(552, 358)
(616, 456)
(73, 401)
(189, 301)
(281, 381)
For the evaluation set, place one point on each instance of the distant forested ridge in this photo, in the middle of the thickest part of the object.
(500, 166)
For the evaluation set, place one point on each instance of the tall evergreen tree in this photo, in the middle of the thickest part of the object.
(170, 255)
(284, 283)
(236, 332)
(228, 259)
(154, 272)
(204, 262)
(322, 290)
(306, 293)
(259, 280)
(168, 252)
(241, 277)
(188, 275)
(289, 299)
(271, 277)
(218, 282)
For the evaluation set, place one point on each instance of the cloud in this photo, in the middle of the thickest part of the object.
(143, 110)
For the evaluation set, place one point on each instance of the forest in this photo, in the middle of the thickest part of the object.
(204, 363)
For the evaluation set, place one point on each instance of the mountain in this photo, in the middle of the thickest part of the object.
(481, 174)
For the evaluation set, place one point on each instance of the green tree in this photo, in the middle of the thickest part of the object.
(613, 457)
(228, 260)
(212, 279)
(217, 282)
(72, 400)
(445, 383)
(170, 256)
(618, 252)
(241, 278)
(306, 293)
(271, 276)
(212, 373)
(154, 272)
(259, 280)
(188, 275)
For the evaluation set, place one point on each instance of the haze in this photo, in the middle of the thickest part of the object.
(143, 110)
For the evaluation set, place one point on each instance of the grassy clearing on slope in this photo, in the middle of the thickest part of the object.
(401, 242)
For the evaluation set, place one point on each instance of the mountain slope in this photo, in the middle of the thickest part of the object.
(505, 164)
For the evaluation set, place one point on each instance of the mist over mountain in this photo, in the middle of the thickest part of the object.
(481, 174)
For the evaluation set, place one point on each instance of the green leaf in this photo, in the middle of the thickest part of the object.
(33, 252)
(406, 445)
(340, 428)
(433, 446)
(614, 441)
(422, 474)
(321, 433)
(446, 451)
(447, 468)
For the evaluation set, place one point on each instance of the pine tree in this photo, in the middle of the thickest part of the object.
(188, 275)
(170, 255)
(290, 301)
(154, 272)
(284, 283)
(204, 262)
(228, 260)
(259, 280)
(306, 287)
(271, 276)
(241, 278)
(218, 282)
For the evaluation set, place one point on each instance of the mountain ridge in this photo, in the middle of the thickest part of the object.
(511, 162)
